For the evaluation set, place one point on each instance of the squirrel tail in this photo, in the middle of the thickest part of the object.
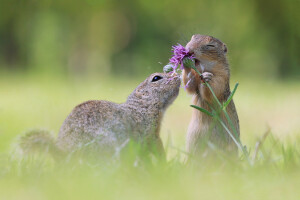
(39, 141)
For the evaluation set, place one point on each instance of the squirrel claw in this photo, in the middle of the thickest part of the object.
(206, 76)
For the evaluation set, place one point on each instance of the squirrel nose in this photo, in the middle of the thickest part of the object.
(191, 51)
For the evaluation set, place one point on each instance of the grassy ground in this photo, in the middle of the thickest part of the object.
(30, 102)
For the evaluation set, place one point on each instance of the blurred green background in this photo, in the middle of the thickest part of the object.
(131, 37)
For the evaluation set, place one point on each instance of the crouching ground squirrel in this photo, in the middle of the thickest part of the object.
(108, 125)
(211, 61)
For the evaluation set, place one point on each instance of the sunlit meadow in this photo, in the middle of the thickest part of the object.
(31, 102)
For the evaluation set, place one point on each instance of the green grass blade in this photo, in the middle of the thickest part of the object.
(238, 144)
(214, 95)
(222, 107)
(203, 110)
(230, 96)
(193, 67)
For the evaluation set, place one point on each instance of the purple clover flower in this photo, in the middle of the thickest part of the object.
(180, 52)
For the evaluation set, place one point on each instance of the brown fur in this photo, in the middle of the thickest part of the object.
(202, 128)
(103, 127)
(111, 124)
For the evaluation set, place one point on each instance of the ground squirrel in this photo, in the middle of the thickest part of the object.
(211, 61)
(108, 125)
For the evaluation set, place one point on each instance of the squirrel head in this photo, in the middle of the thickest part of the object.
(159, 90)
(207, 50)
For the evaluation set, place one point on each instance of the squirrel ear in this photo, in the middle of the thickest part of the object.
(224, 48)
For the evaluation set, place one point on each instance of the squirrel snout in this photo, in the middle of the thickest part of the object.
(190, 48)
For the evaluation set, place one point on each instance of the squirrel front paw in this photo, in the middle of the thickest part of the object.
(206, 76)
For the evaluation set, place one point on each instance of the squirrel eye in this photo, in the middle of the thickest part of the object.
(156, 78)
(225, 49)
(210, 45)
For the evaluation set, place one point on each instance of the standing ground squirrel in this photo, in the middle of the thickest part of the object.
(108, 125)
(211, 61)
